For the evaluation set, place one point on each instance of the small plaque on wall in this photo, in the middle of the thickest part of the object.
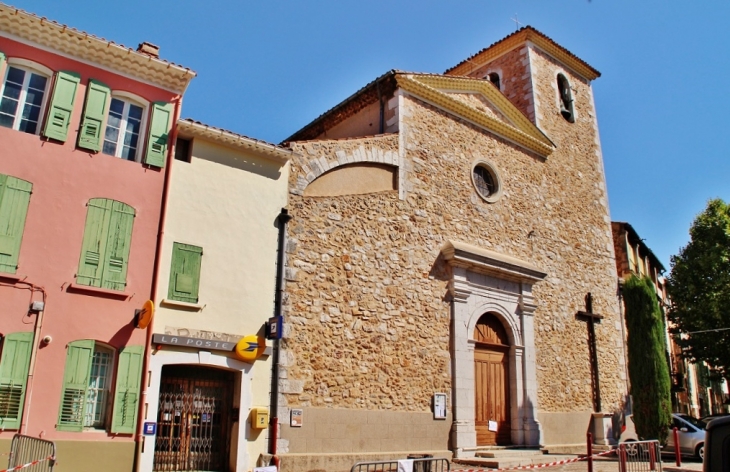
(439, 406)
(296, 418)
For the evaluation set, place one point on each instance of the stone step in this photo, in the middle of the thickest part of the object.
(494, 463)
(517, 459)
(573, 449)
(493, 453)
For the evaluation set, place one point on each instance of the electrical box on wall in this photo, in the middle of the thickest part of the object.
(259, 418)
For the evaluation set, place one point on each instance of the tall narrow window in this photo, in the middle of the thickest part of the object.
(106, 244)
(566, 99)
(124, 122)
(99, 383)
(494, 78)
(22, 99)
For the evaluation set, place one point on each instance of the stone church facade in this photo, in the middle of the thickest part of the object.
(446, 230)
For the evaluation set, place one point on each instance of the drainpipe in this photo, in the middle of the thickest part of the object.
(25, 415)
(282, 220)
(139, 438)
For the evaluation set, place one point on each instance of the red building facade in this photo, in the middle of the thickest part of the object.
(85, 126)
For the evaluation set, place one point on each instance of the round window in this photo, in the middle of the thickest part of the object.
(486, 181)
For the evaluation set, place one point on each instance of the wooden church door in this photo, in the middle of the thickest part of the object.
(491, 377)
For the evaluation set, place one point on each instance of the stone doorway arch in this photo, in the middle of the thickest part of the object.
(484, 281)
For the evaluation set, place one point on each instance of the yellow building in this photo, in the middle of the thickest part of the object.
(216, 285)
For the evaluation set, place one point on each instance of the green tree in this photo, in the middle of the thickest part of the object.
(699, 287)
(648, 369)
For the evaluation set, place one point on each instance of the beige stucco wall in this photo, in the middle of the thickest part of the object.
(226, 201)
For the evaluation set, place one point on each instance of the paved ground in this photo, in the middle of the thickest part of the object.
(602, 465)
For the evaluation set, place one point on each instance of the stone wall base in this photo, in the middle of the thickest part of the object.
(564, 427)
(338, 462)
(89, 456)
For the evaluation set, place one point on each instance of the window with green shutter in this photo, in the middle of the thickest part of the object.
(14, 201)
(87, 383)
(95, 110)
(127, 390)
(14, 363)
(62, 105)
(106, 244)
(159, 131)
(185, 273)
(75, 384)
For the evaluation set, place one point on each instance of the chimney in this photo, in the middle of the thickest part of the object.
(149, 49)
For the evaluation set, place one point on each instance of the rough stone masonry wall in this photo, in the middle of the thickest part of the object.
(576, 212)
(367, 305)
(549, 215)
(367, 327)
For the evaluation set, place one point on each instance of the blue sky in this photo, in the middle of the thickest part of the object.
(267, 68)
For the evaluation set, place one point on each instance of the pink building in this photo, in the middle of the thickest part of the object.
(84, 128)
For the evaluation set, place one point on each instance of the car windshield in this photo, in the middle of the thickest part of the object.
(693, 421)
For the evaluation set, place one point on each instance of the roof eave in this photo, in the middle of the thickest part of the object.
(30, 28)
(235, 141)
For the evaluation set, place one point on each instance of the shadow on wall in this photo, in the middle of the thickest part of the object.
(238, 160)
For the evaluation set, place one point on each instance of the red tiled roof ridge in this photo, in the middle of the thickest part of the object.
(526, 30)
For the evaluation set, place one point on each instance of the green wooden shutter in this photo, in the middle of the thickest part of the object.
(95, 110)
(127, 390)
(2, 59)
(14, 200)
(119, 240)
(159, 131)
(93, 247)
(75, 384)
(185, 273)
(14, 365)
(62, 105)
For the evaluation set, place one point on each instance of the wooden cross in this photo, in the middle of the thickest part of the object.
(591, 319)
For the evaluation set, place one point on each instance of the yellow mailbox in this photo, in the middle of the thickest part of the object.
(259, 418)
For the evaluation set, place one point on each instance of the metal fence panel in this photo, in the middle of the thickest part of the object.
(419, 465)
(26, 449)
(640, 456)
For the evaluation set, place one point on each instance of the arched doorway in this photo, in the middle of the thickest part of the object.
(194, 419)
(491, 379)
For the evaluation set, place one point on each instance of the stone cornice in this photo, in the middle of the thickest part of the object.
(523, 132)
(235, 141)
(90, 49)
(491, 263)
(524, 35)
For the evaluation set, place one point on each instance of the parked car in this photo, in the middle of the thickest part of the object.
(691, 433)
(708, 418)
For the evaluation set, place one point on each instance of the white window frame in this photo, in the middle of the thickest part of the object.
(134, 99)
(106, 402)
(34, 68)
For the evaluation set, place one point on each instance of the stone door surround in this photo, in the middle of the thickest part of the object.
(482, 282)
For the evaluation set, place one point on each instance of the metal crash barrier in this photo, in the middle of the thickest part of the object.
(428, 464)
(31, 454)
(639, 456)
